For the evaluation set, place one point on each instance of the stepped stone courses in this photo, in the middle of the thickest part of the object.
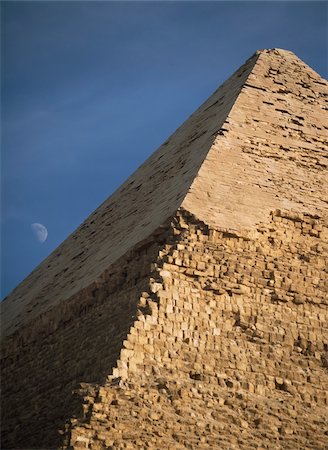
(190, 309)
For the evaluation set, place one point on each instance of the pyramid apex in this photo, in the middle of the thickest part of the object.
(275, 51)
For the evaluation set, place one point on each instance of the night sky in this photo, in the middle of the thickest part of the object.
(90, 89)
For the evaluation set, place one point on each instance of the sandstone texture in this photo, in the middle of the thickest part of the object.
(190, 310)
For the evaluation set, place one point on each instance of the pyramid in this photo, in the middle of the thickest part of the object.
(190, 309)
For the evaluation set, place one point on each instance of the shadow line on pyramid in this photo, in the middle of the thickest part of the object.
(95, 322)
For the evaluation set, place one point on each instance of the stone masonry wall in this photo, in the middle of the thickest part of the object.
(211, 332)
(79, 341)
(231, 351)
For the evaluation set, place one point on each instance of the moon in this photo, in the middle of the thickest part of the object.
(40, 232)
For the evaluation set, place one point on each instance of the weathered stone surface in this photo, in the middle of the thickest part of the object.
(206, 326)
(244, 368)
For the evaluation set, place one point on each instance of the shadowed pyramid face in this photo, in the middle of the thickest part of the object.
(189, 310)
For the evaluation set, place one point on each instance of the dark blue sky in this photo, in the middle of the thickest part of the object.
(90, 89)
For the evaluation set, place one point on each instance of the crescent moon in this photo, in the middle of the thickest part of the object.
(40, 232)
